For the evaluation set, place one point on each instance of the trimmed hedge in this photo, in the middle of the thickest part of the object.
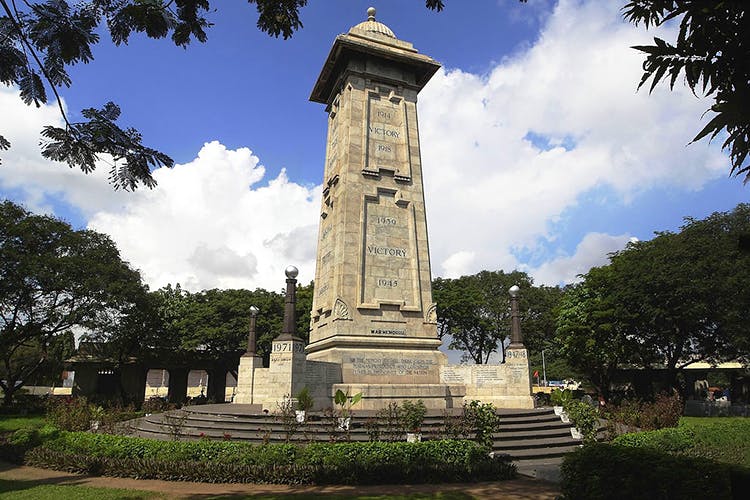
(605, 471)
(229, 461)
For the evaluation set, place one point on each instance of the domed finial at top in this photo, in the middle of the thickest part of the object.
(371, 14)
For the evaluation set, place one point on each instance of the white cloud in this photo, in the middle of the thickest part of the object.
(209, 224)
(504, 155)
(490, 189)
(591, 251)
(23, 168)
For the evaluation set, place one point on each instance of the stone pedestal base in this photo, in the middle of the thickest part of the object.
(382, 361)
(246, 379)
(378, 396)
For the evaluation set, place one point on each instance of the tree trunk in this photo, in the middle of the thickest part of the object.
(8, 397)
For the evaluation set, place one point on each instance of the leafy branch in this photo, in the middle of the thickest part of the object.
(712, 52)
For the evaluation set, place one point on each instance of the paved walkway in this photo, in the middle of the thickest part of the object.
(517, 489)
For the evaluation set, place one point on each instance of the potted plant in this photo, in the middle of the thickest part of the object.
(585, 420)
(559, 398)
(345, 403)
(305, 403)
(413, 416)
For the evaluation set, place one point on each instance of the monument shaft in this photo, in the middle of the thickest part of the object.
(373, 309)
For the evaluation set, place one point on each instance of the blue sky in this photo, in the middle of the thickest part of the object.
(538, 154)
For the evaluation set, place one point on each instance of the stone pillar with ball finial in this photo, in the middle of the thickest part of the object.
(285, 375)
(249, 363)
(516, 356)
(286, 371)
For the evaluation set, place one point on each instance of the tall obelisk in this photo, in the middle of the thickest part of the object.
(373, 312)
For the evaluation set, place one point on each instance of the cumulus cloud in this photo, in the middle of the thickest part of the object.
(506, 153)
(211, 223)
(591, 251)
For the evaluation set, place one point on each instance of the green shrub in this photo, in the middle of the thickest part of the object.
(71, 413)
(561, 397)
(585, 418)
(724, 439)
(483, 420)
(305, 401)
(663, 412)
(25, 438)
(413, 415)
(205, 471)
(604, 471)
(672, 440)
(334, 463)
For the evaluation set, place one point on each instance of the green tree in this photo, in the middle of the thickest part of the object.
(304, 308)
(676, 299)
(712, 52)
(53, 279)
(590, 336)
(475, 311)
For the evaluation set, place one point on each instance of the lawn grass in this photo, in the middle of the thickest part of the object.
(11, 423)
(724, 439)
(32, 490)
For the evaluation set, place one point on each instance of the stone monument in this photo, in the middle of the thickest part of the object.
(372, 311)
(373, 322)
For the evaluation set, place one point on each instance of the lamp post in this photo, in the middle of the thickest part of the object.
(251, 349)
(516, 339)
(544, 369)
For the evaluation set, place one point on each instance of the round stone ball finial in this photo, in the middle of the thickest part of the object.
(371, 14)
(291, 272)
(514, 290)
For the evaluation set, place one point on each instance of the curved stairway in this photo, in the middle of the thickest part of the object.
(535, 439)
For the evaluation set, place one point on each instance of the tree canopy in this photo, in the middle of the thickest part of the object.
(216, 321)
(53, 280)
(475, 311)
(664, 303)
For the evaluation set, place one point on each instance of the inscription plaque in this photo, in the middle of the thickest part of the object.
(391, 366)
(390, 271)
(385, 131)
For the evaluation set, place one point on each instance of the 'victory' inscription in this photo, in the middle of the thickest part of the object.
(389, 252)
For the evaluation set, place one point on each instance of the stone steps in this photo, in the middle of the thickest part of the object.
(533, 438)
